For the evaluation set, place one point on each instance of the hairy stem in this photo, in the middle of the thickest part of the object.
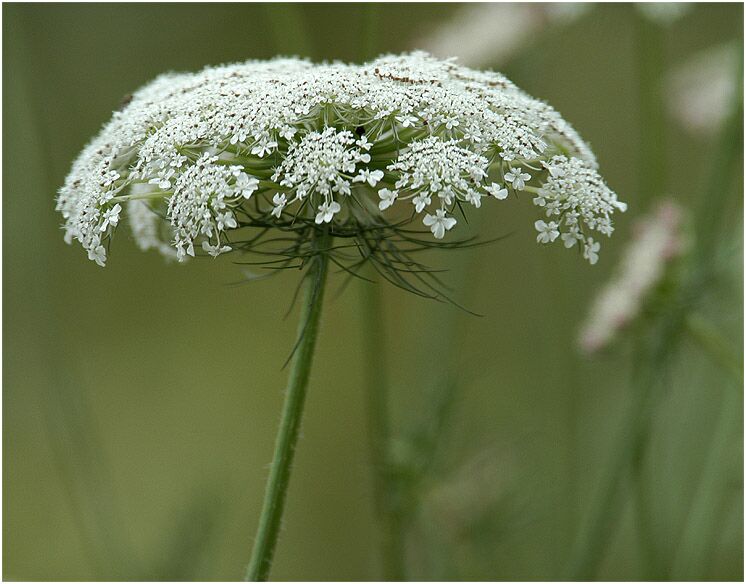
(287, 436)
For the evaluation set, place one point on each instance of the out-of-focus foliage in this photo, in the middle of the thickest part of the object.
(141, 400)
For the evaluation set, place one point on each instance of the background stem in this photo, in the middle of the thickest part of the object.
(287, 437)
(386, 492)
(714, 205)
(701, 530)
(652, 183)
(652, 147)
(628, 456)
(605, 509)
(712, 343)
(629, 446)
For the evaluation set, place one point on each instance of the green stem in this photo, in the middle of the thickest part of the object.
(628, 450)
(653, 561)
(714, 202)
(287, 437)
(701, 529)
(650, 51)
(713, 344)
(706, 514)
(606, 506)
(386, 491)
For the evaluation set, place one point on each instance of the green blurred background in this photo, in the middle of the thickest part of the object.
(141, 401)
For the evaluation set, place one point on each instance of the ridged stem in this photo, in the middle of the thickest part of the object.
(287, 437)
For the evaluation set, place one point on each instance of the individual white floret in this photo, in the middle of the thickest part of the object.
(387, 198)
(547, 231)
(497, 191)
(439, 223)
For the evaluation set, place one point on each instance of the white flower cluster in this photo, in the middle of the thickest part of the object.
(194, 158)
(434, 167)
(324, 163)
(577, 196)
(658, 241)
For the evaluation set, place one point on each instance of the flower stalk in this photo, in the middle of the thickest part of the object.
(287, 436)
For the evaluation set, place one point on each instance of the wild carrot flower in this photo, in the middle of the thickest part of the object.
(218, 161)
(658, 240)
(195, 159)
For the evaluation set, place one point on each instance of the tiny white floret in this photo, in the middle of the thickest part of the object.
(517, 178)
(327, 211)
(439, 223)
(387, 198)
(548, 232)
(247, 185)
(371, 177)
(497, 191)
(590, 251)
(279, 201)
